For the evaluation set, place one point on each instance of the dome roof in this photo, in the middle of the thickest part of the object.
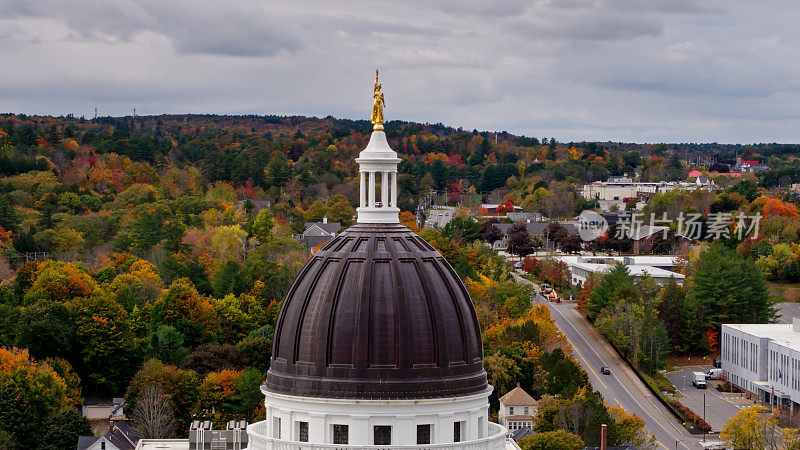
(377, 314)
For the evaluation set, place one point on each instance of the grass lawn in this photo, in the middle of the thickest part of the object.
(787, 291)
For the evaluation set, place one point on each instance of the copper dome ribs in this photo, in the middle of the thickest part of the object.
(377, 314)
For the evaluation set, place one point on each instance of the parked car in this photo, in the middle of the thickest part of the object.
(546, 288)
(605, 370)
(518, 265)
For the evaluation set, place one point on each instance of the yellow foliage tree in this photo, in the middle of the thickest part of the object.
(754, 428)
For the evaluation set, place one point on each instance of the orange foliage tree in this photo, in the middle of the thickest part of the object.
(60, 281)
(774, 206)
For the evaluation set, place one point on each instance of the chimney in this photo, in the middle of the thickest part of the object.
(324, 219)
(603, 436)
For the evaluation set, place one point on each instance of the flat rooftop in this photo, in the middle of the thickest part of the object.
(163, 444)
(635, 270)
(779, 333)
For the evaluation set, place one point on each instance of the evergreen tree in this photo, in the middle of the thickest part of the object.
(728, 288)
(608, 288)
(670, 311)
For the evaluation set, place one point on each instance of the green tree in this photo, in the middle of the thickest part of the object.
(340, 210)
(552, 440)
(61, 431)
(728, 288)
(614, 283)
(230, 279)
(316, 211)
(247, 393)
(262, 225)
(182, 307)
(107, 348)
(746, 188)
(564, 375)
(673, 299)
(465, 229)
(46, 329)
(166, 344)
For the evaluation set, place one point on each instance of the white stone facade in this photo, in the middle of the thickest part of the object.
(297, 422)
(764, 359)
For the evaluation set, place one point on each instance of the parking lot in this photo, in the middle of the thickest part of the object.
(720, 407)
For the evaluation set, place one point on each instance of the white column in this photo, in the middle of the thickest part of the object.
(394, 190)
(371, 189)
(385, 189)
(362, 187)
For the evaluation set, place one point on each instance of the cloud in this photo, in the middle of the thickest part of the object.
(671, 70)
(237, 29)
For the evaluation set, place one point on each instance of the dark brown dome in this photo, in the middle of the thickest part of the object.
(377, 314)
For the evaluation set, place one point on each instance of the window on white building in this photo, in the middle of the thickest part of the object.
(424, 434)
(457, 430)
(526, 411)
(382, 435)
(302, 431)
(276, 427)
(510, 410)
(341, 434)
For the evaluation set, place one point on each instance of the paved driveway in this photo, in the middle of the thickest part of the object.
(720, 407)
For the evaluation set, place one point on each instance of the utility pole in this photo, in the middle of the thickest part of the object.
(95, 113)
(134, 120)
(704, 417)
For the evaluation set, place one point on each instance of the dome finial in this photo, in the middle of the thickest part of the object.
(377, 106)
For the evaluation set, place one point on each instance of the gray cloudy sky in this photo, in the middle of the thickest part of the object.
(631, 70)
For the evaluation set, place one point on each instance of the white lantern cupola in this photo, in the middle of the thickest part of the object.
(377, 166)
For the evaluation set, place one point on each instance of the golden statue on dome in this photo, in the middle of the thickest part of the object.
(377, 106)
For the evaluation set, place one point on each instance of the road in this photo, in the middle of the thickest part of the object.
(719, 408)
(622, 387)
(786, 311)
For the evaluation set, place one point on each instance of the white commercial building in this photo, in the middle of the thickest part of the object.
(622, 189)
(581, 268)
(764, 359)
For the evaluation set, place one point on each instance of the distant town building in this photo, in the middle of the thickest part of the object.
(517, 409)
(120, 436)
(94, 409)
(494, 210)
(518, 434)
(622, 189)
(317, 233)
(748, 166)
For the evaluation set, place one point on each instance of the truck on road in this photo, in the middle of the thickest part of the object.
(714, 374)
(699, 380)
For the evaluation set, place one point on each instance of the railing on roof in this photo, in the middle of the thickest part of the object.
(258, 432)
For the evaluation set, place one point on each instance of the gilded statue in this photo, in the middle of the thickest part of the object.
(377, 106)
